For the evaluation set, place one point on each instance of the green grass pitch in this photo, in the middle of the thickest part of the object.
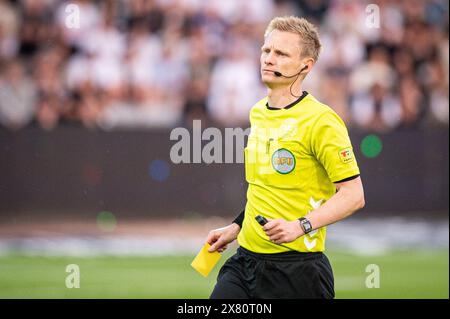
(403, 274)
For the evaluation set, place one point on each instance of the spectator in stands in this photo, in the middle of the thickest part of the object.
(17, 96)
(148, 63)
(48, 113)
(9, 24)
(234, 84)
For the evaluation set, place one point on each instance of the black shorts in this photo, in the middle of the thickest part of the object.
(248, 275)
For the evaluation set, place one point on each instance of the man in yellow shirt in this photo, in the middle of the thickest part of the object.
(302, 176)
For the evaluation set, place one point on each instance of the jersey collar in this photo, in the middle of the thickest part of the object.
(304, 94)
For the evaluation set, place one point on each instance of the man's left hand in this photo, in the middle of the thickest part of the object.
(281, 231)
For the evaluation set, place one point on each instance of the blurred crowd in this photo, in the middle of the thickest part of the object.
(162, 63)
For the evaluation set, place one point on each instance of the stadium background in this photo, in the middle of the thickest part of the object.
(86, 114)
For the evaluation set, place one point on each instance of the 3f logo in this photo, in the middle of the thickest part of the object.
(345, 153)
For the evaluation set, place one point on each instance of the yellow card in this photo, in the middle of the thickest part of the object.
(205, 261)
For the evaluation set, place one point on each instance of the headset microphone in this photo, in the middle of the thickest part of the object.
(278, 74)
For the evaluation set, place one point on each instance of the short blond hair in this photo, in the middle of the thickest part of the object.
(308, 33)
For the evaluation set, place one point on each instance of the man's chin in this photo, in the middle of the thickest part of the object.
(266, 79)
(270, 83)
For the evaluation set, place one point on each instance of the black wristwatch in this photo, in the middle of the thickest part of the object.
(305, 224)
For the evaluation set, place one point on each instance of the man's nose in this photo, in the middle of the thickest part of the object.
(269, 59)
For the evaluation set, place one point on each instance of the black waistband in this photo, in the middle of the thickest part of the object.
(284, 256)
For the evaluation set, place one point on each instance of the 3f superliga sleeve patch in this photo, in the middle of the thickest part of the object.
(346, 155)
(332, 147)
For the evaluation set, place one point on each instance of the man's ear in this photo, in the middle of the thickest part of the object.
(307, 64)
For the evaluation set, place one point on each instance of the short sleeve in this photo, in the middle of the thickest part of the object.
(331, 145)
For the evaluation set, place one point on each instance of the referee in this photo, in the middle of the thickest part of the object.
(302, 176)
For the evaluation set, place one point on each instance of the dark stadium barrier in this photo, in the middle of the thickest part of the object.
(77, 172)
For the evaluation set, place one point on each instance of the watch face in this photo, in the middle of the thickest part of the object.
(306, 225)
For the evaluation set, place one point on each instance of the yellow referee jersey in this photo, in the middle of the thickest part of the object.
(293, 157)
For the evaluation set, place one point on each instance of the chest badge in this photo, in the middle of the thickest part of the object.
(283, 161)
